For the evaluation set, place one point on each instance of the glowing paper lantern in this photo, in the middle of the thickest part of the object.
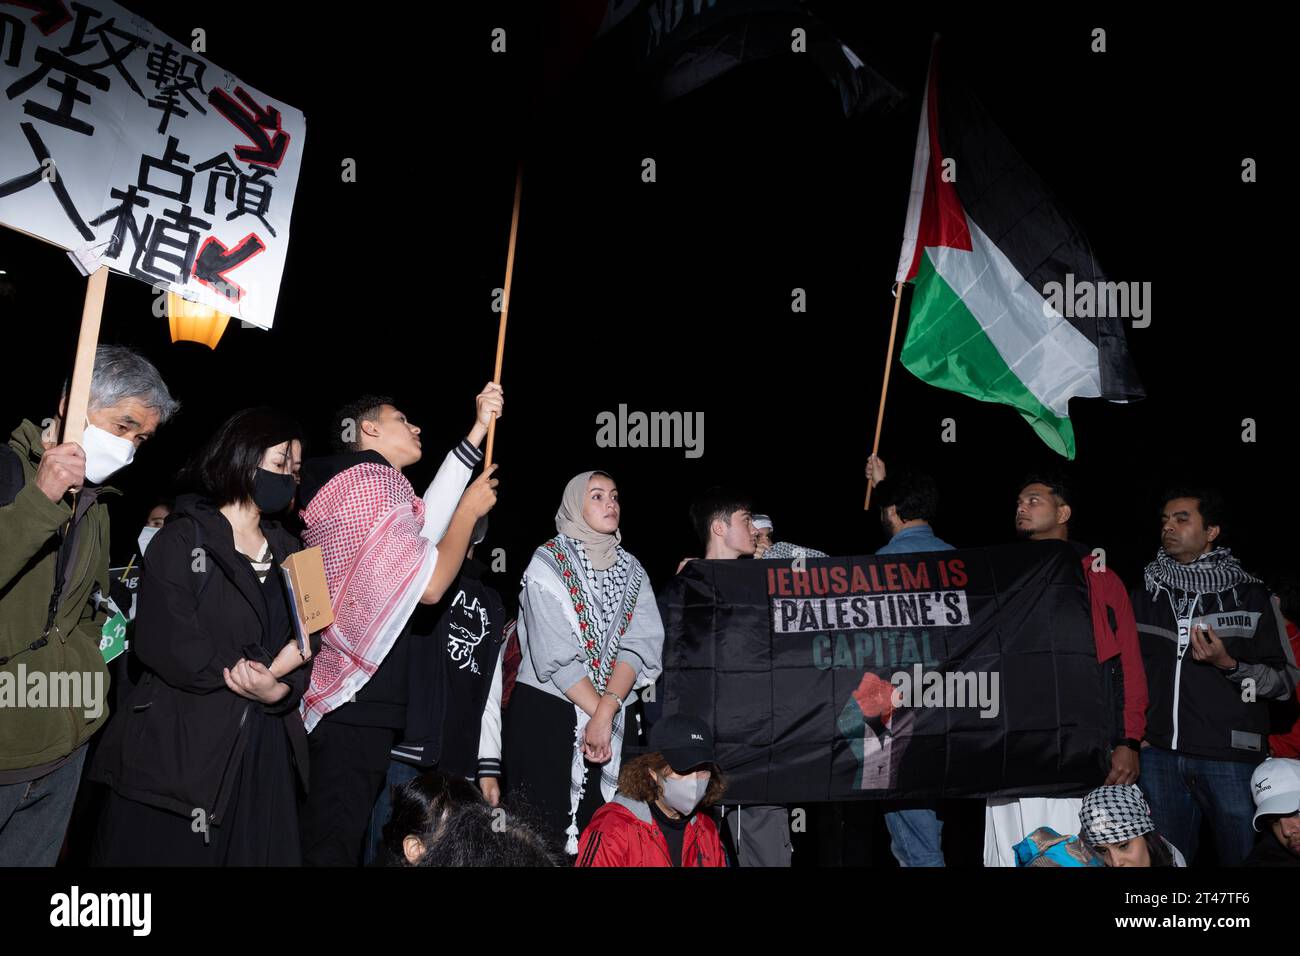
(194, 322)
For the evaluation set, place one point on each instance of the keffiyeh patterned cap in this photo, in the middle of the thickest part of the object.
(1114, 815)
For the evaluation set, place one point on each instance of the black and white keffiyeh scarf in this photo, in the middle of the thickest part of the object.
(1114, 815)
(1212, 573)
(601, 605)
(607, 586)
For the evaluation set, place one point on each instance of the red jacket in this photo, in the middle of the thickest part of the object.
(623, 833)
(1288, 744)
(1110, 603)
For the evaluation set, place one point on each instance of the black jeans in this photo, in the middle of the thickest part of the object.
(349, 765)
(538, 761)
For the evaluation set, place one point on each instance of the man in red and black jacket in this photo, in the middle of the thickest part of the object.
(656, 818)
(1043, 512)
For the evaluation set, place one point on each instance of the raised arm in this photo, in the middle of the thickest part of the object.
(477, 501)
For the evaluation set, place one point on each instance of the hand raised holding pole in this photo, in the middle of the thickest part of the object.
(489, 405)
(884, 388)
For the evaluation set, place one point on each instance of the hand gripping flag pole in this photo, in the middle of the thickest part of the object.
(884, 386)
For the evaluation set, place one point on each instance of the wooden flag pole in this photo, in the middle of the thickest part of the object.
(74, 419)
(505, 307)
(884, 386)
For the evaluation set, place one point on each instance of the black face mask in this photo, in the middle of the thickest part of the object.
(272, 492)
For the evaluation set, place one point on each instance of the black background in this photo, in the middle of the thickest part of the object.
(675, 296)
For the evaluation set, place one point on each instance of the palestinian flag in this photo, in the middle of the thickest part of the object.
(984, 249)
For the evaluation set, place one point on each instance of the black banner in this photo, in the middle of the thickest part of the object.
(950, 673)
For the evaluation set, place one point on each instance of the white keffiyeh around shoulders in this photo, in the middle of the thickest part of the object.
(599, 607)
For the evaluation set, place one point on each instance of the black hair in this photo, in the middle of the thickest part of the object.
(913, 493)
(1266, 820)
(474, 838)
(1057, 482)
(347, 420)
(1209, 502)
(713, 504)
(1158, 849)
(418, 806)
(225, 469)
(458, 827)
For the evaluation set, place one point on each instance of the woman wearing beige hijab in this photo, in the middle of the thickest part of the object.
(589, 633)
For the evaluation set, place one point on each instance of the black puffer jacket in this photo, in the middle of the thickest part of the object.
(179, 741)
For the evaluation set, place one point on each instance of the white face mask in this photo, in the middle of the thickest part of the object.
(146, 535)
(684, 794)
(105, 453)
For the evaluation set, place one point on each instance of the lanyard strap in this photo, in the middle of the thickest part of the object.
(60, 570)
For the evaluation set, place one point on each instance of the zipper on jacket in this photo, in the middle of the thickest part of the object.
(213, 819)
(1178, 679)
(1181, 651)
(693, 827)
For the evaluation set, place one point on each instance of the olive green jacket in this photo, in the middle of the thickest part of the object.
(33, 731)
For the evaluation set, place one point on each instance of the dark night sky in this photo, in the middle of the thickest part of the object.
(676, 295)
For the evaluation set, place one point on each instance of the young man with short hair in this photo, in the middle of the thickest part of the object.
(723, 520)
(385, 552)
(908, 503)
(1215, 651)
(1044, 508)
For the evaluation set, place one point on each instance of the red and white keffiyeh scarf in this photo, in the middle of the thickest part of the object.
(366, 521)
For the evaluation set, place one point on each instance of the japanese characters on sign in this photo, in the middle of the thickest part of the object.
(127, 149)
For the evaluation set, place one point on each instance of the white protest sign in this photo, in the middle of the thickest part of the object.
(122, 146)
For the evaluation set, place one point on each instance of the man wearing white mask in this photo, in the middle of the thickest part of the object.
(53, 558)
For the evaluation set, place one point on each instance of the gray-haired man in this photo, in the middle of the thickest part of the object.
(53, 558)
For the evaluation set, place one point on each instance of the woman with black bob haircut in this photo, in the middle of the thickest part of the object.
(442, 820)
(207, 760)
